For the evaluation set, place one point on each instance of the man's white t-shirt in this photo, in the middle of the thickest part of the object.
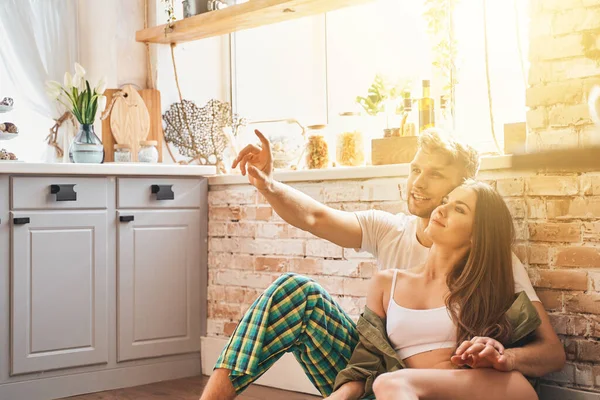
(392, 239)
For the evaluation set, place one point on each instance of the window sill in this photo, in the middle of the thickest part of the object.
(348, 173)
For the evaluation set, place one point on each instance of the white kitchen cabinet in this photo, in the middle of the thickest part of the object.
(59, 290)
(158, 285)
(90, 303)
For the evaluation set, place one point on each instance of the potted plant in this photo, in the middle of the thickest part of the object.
(84, 102)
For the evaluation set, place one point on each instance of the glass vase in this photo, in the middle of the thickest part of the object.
(86, 147)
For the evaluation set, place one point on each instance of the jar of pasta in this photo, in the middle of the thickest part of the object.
(317, 147)
(350, 146)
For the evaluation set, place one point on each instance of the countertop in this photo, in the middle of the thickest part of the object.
(107, 169)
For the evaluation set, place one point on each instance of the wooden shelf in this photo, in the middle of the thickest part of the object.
(251, 14)
(578, 160)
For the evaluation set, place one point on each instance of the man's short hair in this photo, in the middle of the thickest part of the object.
(434, 140)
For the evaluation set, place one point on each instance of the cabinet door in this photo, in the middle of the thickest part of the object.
(59, 290)
(158, 283)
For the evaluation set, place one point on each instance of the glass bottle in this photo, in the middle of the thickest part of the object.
(426, 108)
(122, 153)
(350, 146)
(409, 124)
(148, 152)
(317, 148)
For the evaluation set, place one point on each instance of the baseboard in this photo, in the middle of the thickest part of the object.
(96, 381)
(285, 374)
(548, 392)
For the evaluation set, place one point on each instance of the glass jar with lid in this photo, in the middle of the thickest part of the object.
(317, 147)
(350, 146)
(148, 152)
(122, 153)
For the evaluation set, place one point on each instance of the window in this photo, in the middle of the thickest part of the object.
(33, 128)
(314, 68)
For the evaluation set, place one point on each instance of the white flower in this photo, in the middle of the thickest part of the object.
(53, 89)
(68, 81)
(77, 80)
(79, 70)
(101, 86)
(101, 103)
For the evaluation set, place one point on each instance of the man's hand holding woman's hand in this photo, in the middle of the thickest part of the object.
(257, 162)
(483, 352)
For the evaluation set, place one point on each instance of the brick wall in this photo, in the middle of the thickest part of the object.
(561, 74)
(558, 225)
(557, 216)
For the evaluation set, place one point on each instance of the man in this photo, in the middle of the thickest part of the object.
(297, 315)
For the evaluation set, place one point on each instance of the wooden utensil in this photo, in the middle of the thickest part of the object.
(129, 119)
(151, 98)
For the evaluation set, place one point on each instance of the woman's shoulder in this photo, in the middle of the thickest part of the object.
(384, 278)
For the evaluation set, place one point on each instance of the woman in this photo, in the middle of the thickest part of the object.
(422, 323)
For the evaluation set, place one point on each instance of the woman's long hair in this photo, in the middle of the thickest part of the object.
(482, 286)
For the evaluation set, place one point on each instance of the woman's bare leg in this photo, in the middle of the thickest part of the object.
(453, 384)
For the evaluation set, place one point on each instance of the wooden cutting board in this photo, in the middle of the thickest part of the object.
(151, 98)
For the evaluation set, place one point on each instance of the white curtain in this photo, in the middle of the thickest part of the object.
(38, 42)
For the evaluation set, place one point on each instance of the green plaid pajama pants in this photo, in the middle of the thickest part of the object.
(295, 314)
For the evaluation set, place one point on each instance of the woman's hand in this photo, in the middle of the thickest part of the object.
(257, 161)
(483, 352)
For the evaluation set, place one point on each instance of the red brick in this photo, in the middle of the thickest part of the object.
(591, 232)
(229, 328)
(583, 375)
(516, 208)
(234, 294)
(241, 229)
(583, 303)
(586, 257)
(366, 269)
(538, 254)
(551, 299)
(536, 208)
(510, 186)
(272, 231)
(577, 326)
(259, 213)
(308, 266)
(224, 311)
(347, 268)
(588, 350)
(332, 284)
(555, 232)
(594, 326)
(562, 279)
(553, 185)
(574, 208)
(323, 248)
(355, 287)
(245, 195)
(559, 323)
(272, 264)
(236, 213)
(222, 261)
(571, 349)
(216, 293)
(224, 213)
(217, 228)
(520, 229)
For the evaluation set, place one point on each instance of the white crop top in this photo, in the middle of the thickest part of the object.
(413, 331)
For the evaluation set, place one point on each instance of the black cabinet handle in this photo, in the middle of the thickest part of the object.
(64, 192)
(163, 192)
(21, 220)
(126, 218)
